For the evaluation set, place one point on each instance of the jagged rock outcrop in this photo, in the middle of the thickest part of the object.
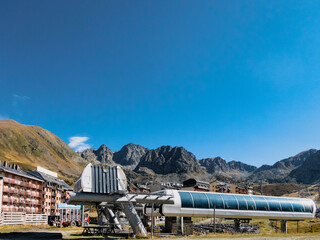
(219, 166)
(309, 171)
(279, 171)
(129, 155)
(214, 165)
(240, 166)
(166, 160)
(102, 155)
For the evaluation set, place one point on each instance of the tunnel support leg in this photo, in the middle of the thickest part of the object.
(108, 213)
(134, 220)
(237, 225)
(179, 225)
(284, 228)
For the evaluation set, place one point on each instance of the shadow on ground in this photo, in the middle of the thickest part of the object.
(30, 235)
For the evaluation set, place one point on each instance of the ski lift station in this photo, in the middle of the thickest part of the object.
(107, 186)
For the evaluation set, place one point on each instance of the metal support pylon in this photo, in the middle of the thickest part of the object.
(132, 215)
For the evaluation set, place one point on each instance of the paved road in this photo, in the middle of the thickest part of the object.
(31, 235)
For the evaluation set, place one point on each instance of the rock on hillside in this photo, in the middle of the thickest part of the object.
(279, 171)
(309, 171)
(102, 155)
(129, 155)
(31, 146)
(165, 160)
(214, 165)
(219, 166)
(240, 166)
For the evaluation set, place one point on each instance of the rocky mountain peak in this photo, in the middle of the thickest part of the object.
(104, 155)
(214, 165)
(167, 159)
(279, 171)
(129, 155)
(309, 171)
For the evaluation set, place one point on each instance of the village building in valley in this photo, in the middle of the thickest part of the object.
(29, 197)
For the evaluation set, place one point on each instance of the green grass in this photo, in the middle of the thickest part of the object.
(306, 228)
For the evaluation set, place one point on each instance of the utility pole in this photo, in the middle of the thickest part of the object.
(152, 220)
(214, 219)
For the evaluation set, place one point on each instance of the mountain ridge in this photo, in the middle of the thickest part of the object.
(166, 160)
(31, 146)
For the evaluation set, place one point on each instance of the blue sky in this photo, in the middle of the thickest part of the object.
(236, 79)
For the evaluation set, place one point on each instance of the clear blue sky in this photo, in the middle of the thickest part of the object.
(236, 79)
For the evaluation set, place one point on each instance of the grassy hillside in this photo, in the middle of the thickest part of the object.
(278, 189)
(31, 146)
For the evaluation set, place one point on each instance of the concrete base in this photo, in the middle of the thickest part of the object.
(181, 226)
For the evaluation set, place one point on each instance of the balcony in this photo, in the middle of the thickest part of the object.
(13, 191)
(5, 199)
(22, 192)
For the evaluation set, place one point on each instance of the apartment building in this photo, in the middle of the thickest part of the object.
(54, 190)
(19, 191)
(195, 185)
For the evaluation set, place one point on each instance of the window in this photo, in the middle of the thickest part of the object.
(230, 202)
(215, 201)
(274, 204)
(298, 207)
(286, 206)
(250, 203)
(242, 202)
(308, 208)
(261, 203)
(200, 200)
(301, 205)
(186, 200)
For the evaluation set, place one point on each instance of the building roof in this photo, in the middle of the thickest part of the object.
(193, 182)
(15, 169)
(48, 178)
(143, 187)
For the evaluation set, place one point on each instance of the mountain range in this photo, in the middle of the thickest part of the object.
(170, 162)
(30, 146)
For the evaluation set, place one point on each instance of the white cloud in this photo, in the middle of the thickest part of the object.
(18, 99)
(79, 143)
